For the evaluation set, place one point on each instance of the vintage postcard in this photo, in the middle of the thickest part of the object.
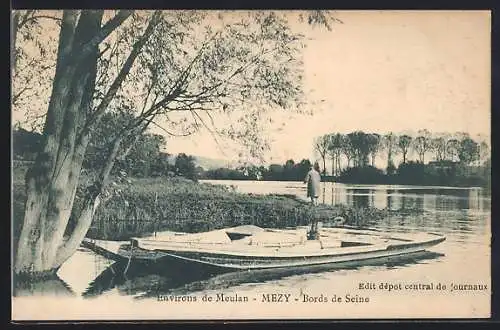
(250, 165)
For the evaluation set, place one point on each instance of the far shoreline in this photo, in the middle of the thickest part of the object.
(360, 185)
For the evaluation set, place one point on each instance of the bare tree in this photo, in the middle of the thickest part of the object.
(373, 146)
(360, 143)
(404, 143)
(452, 149)
(422, 144)
(389, 143)
(348, 149)
(438, 144)
(321, 146)
(335, 151)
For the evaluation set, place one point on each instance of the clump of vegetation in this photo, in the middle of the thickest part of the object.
(136, 207)
(147, 205)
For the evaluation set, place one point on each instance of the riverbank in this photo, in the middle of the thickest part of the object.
(411, 173)
(148, 205)
(143, 206)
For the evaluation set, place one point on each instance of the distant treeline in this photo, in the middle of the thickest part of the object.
(444, 173)
(457, 159)
(453, 167)
(360, 149)
(290, 171)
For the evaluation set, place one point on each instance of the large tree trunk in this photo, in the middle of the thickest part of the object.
(52, 182)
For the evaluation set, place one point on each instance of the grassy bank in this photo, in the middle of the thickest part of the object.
(149, 205)
(143, 206)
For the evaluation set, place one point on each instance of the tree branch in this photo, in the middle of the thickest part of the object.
(170, 133)
(137, 136)
(105, 31)
(34, 17)
(101, 108)
(24, 18)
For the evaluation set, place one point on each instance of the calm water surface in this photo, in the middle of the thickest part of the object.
(95, 285)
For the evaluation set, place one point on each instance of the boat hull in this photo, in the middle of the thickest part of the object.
(231, 261)
(338, 246)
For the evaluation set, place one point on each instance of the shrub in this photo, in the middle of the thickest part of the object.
(364, 175)
(411, 173)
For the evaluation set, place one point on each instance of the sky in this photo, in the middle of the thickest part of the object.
(382, 71)
(379, 71)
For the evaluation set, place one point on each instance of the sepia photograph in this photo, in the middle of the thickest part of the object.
(250, 164)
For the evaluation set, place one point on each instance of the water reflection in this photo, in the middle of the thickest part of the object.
(53, 286)
(358, 197)
(394, 197)
(158, 279)
(147, 277)
(406, 199)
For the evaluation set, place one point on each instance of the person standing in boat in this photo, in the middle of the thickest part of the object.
(313, 180)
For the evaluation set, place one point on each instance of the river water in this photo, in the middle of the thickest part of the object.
(451, 280)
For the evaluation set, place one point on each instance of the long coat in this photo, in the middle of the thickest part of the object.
(313, 180)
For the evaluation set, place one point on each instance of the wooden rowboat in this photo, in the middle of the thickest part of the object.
(251, 247)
